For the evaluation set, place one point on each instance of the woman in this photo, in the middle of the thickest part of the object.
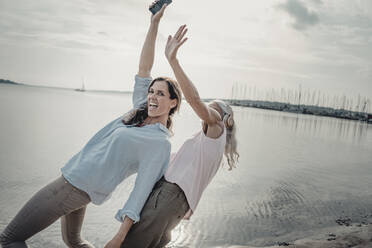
(117, 151)
(191, 169)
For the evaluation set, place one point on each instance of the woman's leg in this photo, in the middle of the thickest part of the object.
(53, 201)
(71, 229)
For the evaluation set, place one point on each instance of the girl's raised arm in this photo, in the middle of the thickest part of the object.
(207, 114)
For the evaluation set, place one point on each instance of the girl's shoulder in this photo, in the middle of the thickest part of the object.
(213, 131)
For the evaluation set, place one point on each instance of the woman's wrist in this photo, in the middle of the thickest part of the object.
(155, 21)
(173, 62)
(124, 229)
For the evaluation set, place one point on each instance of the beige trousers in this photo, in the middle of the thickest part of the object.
(58, 199)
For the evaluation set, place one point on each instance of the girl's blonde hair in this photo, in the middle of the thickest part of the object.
(231, 152)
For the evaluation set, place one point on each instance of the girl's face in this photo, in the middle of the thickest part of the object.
(158, 100)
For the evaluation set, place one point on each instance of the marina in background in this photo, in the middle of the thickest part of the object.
(313, 102)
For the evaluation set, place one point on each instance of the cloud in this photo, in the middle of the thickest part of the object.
(365, 71)
(80, 25)
(251, 44)
(317, 1)
(303, 17)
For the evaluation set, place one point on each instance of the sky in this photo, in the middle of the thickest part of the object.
(321, 45)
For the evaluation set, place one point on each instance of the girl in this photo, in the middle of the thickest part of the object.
(191, 169)
(135, 143)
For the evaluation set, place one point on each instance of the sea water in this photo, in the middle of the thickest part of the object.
(296, 174)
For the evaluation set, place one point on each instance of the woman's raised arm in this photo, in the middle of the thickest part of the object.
(207, 114)
(148, 49)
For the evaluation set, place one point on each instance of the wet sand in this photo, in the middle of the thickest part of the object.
(356, 236)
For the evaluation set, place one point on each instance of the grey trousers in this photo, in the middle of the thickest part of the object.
(163, 211)
(58, 199)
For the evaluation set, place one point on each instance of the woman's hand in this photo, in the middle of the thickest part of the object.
(159, 14)
(175, 42)
(119, 238)
(114, 243)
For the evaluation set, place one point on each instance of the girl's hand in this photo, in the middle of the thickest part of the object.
(114, 243)
(175, 42)
(159, 14)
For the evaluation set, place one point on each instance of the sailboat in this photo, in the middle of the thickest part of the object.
(82, 89)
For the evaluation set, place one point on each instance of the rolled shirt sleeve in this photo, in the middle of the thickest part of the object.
(151, 169)
(141, 86)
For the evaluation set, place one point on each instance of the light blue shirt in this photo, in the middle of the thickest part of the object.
(118, 151)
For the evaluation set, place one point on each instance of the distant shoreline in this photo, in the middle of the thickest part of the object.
(8, 82)
(278, 106)
(3, 81)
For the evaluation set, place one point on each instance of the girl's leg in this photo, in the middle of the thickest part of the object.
(173, 220)
(164, 209)
(71, 228)
(53, 201)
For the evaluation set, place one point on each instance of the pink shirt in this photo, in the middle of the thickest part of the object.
(195, 164)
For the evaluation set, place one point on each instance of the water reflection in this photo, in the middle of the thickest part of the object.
(342, 129)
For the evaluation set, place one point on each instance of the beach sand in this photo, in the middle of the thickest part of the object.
(355, 236)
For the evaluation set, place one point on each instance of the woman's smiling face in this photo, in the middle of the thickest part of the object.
(158, 100)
